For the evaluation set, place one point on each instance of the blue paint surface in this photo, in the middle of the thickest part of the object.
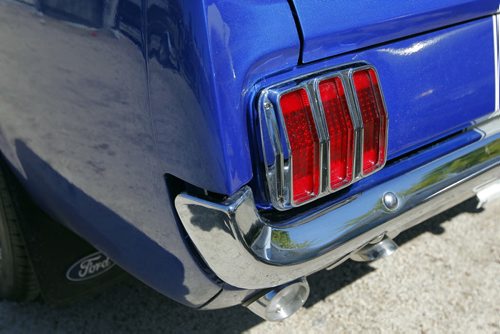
(198, 98)
(333, 27)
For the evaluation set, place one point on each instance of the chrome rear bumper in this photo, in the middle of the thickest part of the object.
(246, 251)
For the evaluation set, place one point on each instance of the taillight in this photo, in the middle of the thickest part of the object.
(304, 144)
(374, 119)
(340, 130)
(321, 133)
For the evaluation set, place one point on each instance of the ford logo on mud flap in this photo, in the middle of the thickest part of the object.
(89, 267)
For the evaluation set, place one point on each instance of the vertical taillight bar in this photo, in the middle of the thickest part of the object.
(374, 117)
(340, 130)
(304, 144)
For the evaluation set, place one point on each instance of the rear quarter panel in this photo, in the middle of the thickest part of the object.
(96, 108)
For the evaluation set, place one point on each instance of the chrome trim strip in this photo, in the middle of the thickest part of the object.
(323, 137)
(247, 251)
(274, 175)
(496, 55)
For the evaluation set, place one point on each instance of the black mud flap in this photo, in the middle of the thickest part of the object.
(66, 266)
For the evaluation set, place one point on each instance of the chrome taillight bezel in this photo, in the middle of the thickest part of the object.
(278, 171)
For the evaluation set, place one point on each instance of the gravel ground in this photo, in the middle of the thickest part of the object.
(444, 278)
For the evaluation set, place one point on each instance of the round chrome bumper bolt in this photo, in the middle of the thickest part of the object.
(390, 201)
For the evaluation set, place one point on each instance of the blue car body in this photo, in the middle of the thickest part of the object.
(106, 108)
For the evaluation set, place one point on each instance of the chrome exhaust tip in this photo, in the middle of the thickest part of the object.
(282, 301)
(380, 247)
(487, 193)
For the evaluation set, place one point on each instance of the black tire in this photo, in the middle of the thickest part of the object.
(17, 278)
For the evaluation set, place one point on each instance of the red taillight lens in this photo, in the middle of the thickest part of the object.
(304, 143)
(374, 119)
(340, 129)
